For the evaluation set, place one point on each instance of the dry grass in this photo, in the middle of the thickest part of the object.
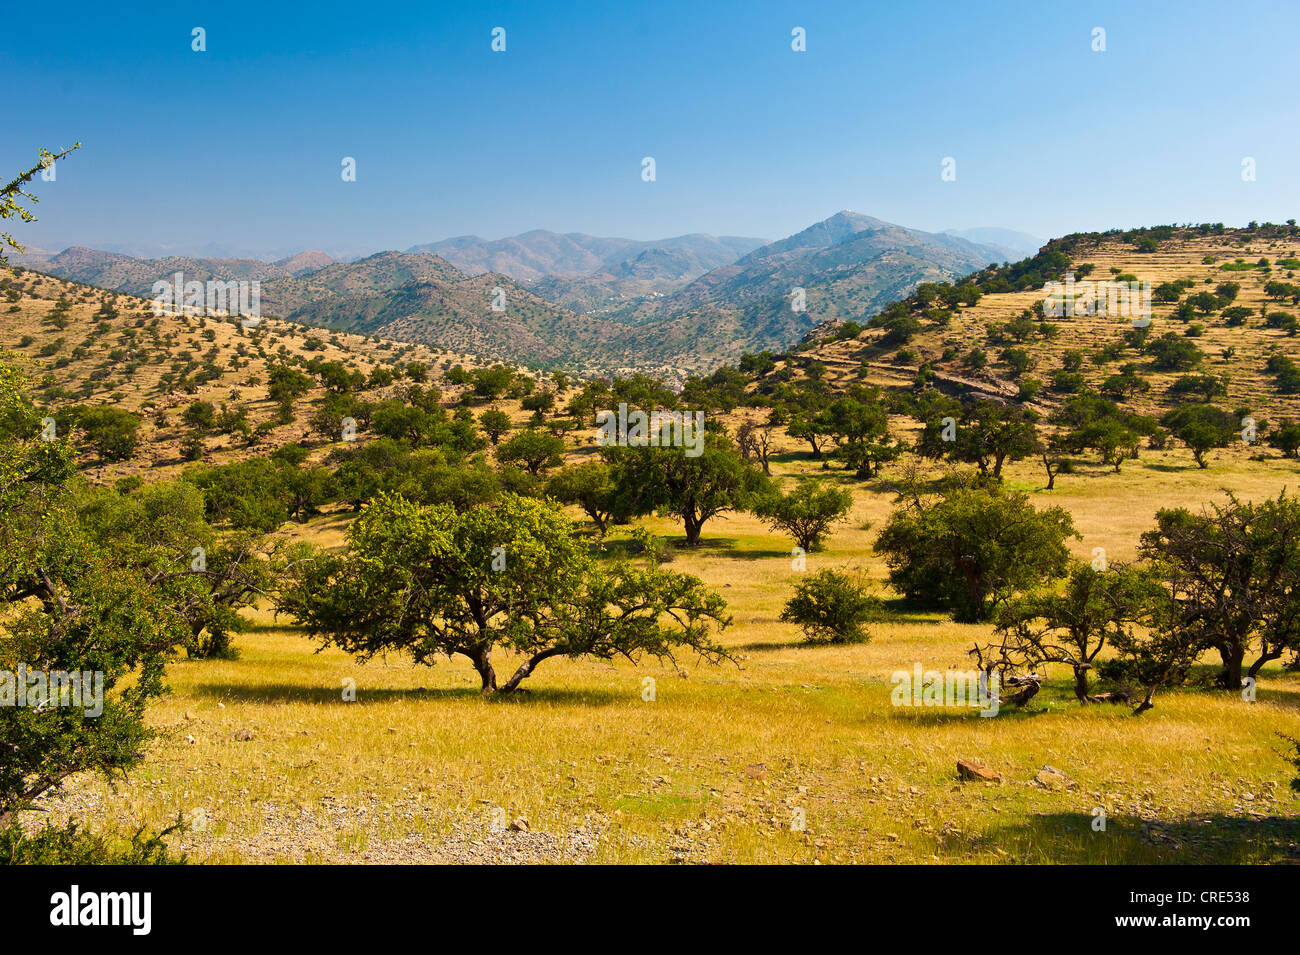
(719, 765)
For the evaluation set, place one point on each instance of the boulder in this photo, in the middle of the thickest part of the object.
(974, 771)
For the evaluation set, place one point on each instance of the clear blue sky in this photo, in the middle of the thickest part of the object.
(239, 148)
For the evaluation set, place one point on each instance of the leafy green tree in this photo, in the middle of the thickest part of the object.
(984, 433)
(201, 416)
(590, 486)
(862, 429)
(1017, 360)
(244, 495)
(810, 423)
(807, 512)
(1234, 574)
(970, 548)
(1286, 437)
(832, 607)
(492, 382)
(1173, 352)
(1202, 428)
(433, 581)
(1072, 626)
(1197, 387)
(1097, 423)
(494, 423)
(540, 403)
(535, 451)
(161, 532)
(593, 397)
(112, 433)
(68, 606)
(695, 489)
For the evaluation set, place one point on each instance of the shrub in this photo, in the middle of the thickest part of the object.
(832, 607)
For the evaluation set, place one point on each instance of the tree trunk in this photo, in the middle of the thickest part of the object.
(1258, 665)
(1081, 684)
(693, 528)
(1232, 660)
(483, 663)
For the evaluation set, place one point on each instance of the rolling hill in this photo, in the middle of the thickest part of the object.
(85, 345)
(1221, 349)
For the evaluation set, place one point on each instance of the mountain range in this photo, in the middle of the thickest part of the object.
(674, 305)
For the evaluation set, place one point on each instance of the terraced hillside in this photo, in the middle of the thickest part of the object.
(1227, 338)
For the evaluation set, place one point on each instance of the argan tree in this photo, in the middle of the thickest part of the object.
(431, 580)
(1202, 428)
(805, 513)
(984, 433)
(590, 486)
(695, 489)
(832, 607)
(1234, 574)
(970, 547)
(69, 605)
(1073, 625)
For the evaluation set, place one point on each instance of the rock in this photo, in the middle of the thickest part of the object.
(189, 739)
(245, 735)
(1049, 777)
(520, 824)
(975, 771)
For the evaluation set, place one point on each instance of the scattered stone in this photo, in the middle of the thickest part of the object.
(1049, 777)
(520, 824)
(975, 771)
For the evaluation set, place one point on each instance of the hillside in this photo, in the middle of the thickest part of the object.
(963, 347)
(422, 298)
(106, 348)
(849, 266)
(1202, 754)
(124, 273)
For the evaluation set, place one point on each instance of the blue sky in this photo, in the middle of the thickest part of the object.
(238, 149)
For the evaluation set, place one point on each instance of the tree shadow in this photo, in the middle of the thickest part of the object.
(333, 696)
(1069, 837)
(767, 646)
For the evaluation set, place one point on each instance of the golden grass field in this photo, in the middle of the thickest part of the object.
(720, 764)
